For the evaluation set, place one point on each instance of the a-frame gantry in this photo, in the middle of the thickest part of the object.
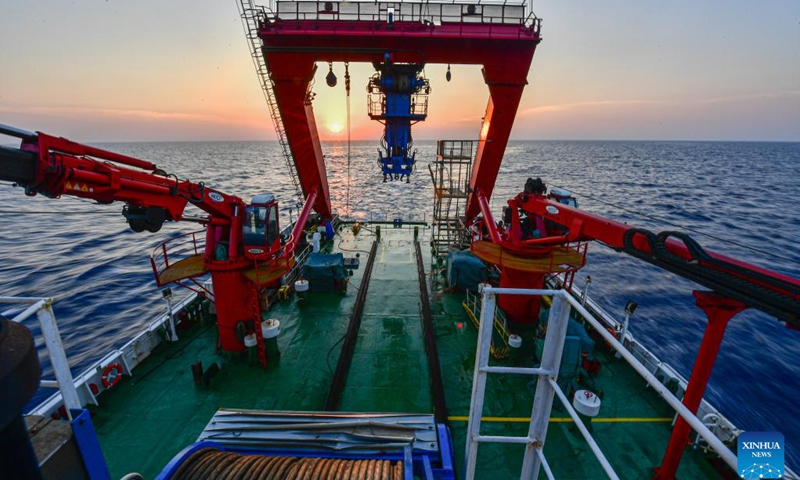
(499, 36)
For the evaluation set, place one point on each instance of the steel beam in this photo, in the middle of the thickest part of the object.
(292, 75)
(429, 338)
(506, 78)
(719, 310)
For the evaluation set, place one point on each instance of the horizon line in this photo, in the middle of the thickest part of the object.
(445, 139)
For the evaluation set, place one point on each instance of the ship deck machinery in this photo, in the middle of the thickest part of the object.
(283, 411)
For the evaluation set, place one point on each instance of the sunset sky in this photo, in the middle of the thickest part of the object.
(147, 70)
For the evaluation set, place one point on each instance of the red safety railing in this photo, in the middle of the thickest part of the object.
(175, 250)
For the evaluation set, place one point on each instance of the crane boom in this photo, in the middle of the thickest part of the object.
(55, 166)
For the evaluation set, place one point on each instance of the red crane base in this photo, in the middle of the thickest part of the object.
(520, 308)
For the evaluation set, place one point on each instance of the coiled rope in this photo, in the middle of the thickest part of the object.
(212, 464)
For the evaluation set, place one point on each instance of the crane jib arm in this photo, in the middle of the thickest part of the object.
(55, 166)
(768, 291)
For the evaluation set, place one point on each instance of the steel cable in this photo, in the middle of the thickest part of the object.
(212, 464)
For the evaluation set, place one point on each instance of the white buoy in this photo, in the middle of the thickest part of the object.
(250, 340)
(514, 341)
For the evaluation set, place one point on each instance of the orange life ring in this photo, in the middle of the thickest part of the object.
(112, 374)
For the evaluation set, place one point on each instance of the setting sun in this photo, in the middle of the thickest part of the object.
(335, 127)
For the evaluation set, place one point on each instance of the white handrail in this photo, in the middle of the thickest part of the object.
(714, 442)
(534, 457)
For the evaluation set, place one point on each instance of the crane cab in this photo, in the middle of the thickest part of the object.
(563, 196)
(260, 228)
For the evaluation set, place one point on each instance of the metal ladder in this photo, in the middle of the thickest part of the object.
(251, 15)
(543, 399)
(547, 387)
(450, 174)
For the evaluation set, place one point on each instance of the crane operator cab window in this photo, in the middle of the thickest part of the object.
(260, 227)
(563, 196)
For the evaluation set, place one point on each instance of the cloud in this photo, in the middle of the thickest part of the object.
(752, 96)
(91, 112)
(575, 105)
(564, 107)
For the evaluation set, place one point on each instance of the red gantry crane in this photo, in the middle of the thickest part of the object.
(395, 37)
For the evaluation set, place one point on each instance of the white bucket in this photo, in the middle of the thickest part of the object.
(586, 402)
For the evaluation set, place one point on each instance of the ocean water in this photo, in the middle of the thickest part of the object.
(736, 198)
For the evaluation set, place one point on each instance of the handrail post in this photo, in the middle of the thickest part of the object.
(543, 398)
(479, 378)
(58, 358)
(164, 254)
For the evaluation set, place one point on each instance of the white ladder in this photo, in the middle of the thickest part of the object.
(546, 387)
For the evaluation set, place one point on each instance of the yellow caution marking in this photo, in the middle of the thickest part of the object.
(459, 418)
(84, 188)
(69, 186)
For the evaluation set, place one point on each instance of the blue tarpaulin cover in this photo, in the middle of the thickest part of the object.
(465, 271)
(325, 273)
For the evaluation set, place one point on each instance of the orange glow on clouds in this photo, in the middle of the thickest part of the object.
(194, 80)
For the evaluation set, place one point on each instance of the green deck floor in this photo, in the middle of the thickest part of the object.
(148, 418)
(387, 369)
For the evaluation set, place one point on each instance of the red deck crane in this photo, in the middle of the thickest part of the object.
(241, 246)
(541, 234)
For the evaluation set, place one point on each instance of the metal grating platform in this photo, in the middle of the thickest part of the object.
(365, 433)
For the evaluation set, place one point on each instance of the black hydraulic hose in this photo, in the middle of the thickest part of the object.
(695, 250)
(429, 339)
(349, 345)
(713, 273)
(630, 249)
